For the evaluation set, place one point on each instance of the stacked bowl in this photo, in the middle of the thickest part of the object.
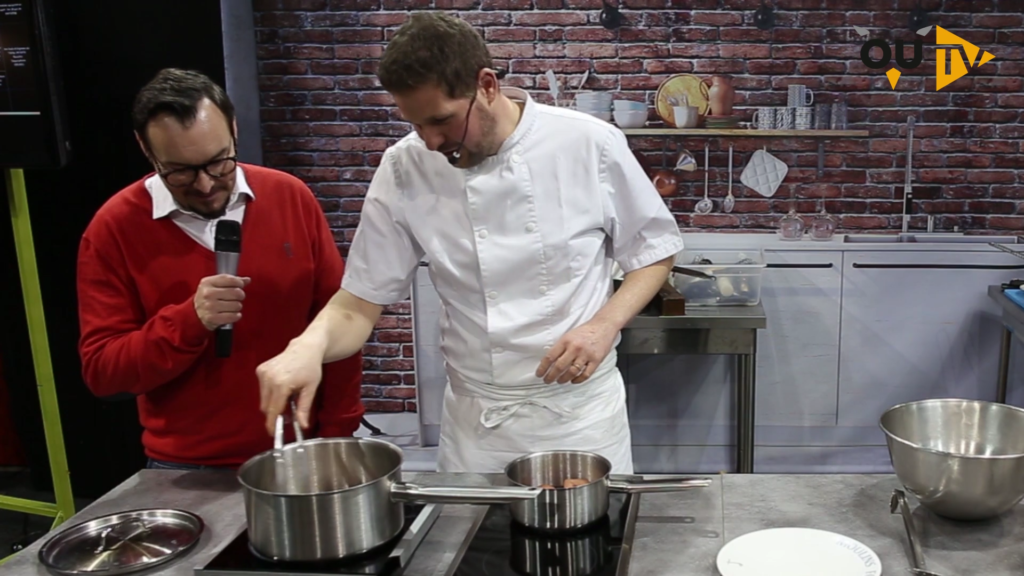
(597, 104)
(630, 114)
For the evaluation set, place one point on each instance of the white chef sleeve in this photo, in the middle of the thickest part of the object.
(642, 229)
(382, 260)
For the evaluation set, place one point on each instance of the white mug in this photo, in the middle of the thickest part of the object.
(803, 117)
(784, 119)
(686, 116)
(764, 118)
(800, 95)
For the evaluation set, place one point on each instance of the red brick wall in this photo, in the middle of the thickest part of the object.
(326, 119)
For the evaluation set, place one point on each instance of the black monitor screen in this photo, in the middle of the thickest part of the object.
(18, 92)
(33, 129)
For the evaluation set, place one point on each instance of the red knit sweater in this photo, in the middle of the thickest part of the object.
(140, 333)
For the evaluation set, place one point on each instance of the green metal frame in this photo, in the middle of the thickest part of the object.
(33, 296)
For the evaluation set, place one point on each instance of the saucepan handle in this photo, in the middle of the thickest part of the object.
(675, 484)
(403, 492)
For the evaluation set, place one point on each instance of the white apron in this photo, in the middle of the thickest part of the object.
(484, 427)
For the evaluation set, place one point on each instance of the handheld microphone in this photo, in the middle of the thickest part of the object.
(228, 246)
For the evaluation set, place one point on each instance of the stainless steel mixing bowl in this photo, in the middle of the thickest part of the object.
(962, 459)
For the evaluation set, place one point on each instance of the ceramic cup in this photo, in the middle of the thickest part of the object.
(686, 116)
(784, 119)
(800, 95)
(839, 116)
(803, 117)
(822, 116)
(764, 118)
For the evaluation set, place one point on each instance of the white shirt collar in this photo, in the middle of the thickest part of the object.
(526, 120)
(164, 204)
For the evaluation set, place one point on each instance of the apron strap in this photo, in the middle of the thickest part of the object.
(493, 416)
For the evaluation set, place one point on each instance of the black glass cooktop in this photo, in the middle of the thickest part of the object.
(389, 559)
(502, 547)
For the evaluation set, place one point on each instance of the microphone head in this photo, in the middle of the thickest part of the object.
(228, 236)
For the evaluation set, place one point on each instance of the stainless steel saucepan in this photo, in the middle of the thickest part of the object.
(560, 508)
(331, 498)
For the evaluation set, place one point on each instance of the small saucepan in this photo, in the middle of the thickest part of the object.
(560, 508)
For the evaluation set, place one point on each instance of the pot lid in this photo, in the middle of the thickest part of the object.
(122, 543)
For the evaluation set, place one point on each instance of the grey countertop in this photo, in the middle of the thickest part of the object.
(1012, 313)
(678, 534)
(705, 318)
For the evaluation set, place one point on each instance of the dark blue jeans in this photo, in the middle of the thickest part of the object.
(164, 465)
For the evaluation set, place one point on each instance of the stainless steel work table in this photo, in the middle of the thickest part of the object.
(709, 330)
(677, 534)
(1013, 323)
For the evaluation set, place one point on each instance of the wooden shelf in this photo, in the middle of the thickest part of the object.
(745, 132)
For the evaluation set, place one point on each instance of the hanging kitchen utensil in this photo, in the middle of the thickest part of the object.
(686, 162)
(764, 173)
(730, 201)
(918, 17)
(764, 17)
(122, 543)
(611, 17)
(705, 205)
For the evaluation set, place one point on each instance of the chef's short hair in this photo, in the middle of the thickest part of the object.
(178, 92)
(434, 48)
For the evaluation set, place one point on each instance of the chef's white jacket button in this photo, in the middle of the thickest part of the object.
(543, 289)
(482, 234)
(516, 158)
(531, 227)
(492, 295)
(499, 350)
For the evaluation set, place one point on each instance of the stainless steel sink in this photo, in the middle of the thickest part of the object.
(928, 238)
(872, 239)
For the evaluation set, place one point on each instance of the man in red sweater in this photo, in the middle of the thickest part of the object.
(150, 298)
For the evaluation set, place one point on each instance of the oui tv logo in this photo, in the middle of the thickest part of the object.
(945, 42)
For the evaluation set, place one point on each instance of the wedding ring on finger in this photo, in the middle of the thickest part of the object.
(579, 369)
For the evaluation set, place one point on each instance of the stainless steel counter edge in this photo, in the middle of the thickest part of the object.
(1010, 308)
(678, 534)
(705, 318)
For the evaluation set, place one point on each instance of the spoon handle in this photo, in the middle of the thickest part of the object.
(730, 170)
(705, 170)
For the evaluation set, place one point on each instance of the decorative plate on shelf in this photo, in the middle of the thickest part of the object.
(693, 87)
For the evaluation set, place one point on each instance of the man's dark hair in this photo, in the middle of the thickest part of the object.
(178, 93)
(434, 48)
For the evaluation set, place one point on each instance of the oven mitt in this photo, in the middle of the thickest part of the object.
(764, 173)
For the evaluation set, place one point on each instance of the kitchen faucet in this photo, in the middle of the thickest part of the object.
(908, 195)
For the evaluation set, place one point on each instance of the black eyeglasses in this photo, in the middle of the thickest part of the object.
(187, 175)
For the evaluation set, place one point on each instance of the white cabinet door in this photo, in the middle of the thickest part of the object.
(916, 325)
(798, 354)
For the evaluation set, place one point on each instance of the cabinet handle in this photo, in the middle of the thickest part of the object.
(801, 266)
(941, 266)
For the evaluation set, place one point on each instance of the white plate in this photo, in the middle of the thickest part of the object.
(797, 552)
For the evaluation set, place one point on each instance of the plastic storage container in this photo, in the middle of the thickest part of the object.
(737, 277)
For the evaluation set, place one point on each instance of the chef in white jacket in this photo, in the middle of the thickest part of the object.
(522, 210)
